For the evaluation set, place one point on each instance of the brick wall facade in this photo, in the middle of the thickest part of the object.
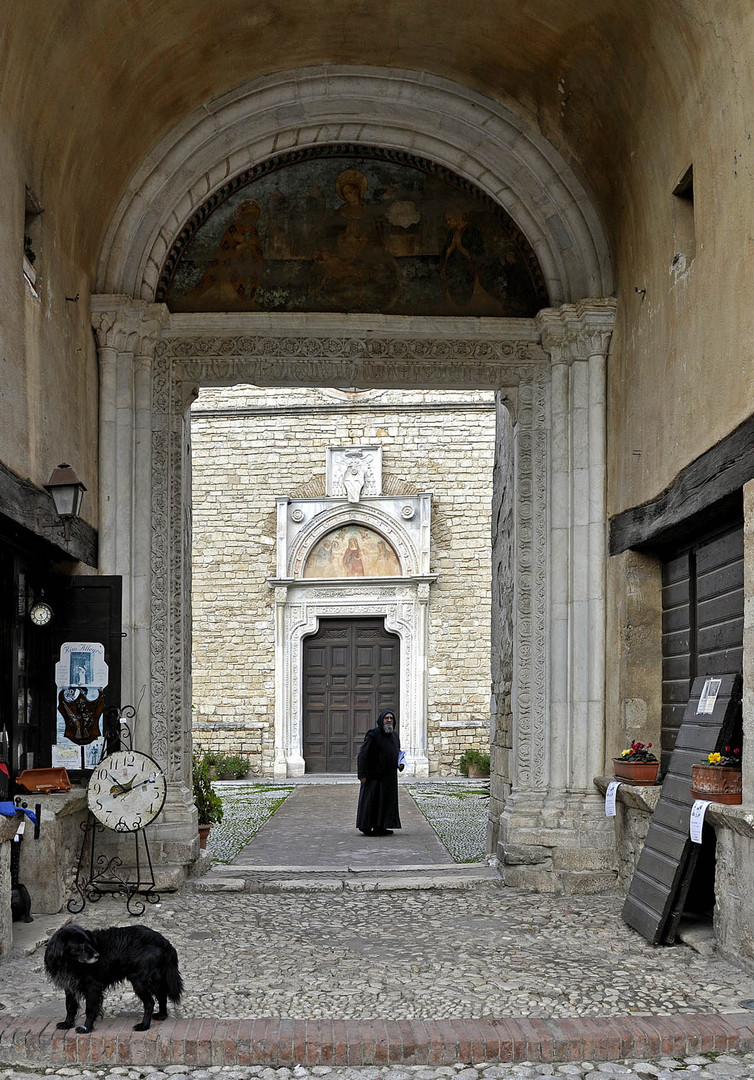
(251, 445)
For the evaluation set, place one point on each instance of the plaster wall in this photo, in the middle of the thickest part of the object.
(431, 442)
(48, 368)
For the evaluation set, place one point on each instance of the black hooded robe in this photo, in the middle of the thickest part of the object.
(378, 765)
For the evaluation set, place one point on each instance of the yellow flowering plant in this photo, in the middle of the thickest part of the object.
(730, 757)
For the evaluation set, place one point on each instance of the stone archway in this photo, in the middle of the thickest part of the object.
(550, 371)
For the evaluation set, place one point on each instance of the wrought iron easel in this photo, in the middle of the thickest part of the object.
(99, 875)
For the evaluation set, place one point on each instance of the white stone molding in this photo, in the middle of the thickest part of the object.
(127, 334)
(577, 338)
(409, 539)
(479, 139)
(403, 602)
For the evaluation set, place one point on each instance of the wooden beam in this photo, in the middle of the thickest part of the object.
(23, 503)
(706, 490)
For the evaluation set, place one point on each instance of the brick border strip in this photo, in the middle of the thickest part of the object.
(278, 1042)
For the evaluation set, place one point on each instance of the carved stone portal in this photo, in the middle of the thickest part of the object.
(549, 372)
(319, 541)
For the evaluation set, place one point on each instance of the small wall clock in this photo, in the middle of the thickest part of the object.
(40, 612)
(126, 791)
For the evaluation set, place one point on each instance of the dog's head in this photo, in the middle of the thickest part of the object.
(71, 944)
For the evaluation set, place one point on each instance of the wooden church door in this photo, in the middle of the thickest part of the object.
(351, 673)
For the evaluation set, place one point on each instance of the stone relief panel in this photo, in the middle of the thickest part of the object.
(530, 589)
(354, 471)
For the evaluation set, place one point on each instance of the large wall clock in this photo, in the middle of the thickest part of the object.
(126, 791)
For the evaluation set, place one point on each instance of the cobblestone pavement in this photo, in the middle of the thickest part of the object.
(425, 954)
(430, 954)
(702, 1067)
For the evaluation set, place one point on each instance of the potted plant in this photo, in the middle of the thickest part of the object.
(637, 765)
(209, 805)
(718, 778)
(474, 763)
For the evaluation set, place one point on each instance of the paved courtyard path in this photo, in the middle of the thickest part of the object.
(298, 979)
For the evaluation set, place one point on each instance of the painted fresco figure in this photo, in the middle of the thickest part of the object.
(377, 769)
(230, 280)
(464, 267)
(353, 269)
(353, 565)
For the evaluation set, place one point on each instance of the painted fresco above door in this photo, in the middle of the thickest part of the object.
(352, 551)
(367, 232)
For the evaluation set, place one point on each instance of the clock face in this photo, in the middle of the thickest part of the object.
(126, 791)
(40, 613)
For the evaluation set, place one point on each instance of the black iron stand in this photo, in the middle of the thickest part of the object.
(99, 875)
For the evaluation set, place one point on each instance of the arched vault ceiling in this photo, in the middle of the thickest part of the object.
(93, 87)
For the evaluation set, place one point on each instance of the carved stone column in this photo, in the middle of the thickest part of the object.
(128, 332)
(552, 831)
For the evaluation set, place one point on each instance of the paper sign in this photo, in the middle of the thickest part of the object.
(696, 821)
(708, 697)
(82, 663)
(612, 791)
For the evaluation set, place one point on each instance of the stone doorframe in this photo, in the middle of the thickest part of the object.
(549, 371)
(404, 522)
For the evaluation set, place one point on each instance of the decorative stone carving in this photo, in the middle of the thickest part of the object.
(354, 471)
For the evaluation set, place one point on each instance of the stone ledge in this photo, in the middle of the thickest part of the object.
(637, 796)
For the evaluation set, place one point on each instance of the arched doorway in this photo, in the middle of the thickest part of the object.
(351, 672)
(549, 371)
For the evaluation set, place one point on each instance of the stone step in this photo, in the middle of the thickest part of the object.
(343, 878)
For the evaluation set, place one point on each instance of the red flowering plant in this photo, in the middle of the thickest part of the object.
(730, 757)
(638, 751)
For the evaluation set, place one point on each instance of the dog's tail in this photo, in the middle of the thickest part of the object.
(173, 983)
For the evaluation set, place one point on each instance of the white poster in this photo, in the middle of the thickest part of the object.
(610, 794)
(696, 821)
(710, 690)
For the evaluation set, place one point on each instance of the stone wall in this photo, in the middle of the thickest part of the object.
(251, 445)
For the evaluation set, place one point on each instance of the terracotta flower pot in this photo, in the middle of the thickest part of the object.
(639, 773)
(716, 783)
(203, 834)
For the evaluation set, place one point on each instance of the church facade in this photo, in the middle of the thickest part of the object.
(381, 543)
(550, 207)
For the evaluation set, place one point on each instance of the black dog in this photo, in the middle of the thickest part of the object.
(85, 963)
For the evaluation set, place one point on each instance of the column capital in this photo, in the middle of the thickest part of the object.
(128, 325)
(577, 331)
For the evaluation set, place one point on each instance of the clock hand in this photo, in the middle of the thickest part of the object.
(122, 788)
(133, 787)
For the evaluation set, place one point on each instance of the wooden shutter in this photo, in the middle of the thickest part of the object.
(702, 620)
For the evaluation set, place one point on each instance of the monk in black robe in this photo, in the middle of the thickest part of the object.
(377, 769)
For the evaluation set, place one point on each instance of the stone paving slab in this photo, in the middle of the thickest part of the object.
(316, 827)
